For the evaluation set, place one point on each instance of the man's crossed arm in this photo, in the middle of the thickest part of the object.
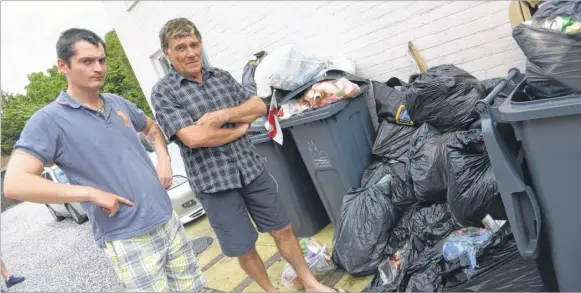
(207, 131)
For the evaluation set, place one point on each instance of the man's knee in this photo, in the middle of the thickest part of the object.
(283, 234)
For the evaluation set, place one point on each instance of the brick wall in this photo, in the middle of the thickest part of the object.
(474, 35)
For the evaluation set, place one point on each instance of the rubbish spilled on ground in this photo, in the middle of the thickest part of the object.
(318, 261)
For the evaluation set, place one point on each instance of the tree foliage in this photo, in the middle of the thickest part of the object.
(44, 87)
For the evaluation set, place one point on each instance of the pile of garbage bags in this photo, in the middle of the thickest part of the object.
(551, 41)
(418, 221)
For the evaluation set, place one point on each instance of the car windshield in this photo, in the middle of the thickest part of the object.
(60, 176)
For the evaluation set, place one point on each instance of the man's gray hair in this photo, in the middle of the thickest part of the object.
(177, 27)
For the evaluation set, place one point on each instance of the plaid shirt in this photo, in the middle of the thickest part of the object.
(179, 102)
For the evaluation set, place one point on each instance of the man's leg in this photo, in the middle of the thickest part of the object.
(140, 261)
(229, 218)
(183, 270)
(4, 271)
(270, 215)
(9, 279)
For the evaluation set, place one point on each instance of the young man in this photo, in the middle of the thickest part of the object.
(93, 138)
(208, 113)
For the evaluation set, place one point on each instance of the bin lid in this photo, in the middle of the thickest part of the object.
(519, 107)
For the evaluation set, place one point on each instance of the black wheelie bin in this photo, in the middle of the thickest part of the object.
(296, 189)
(334, 142)
(534, 147)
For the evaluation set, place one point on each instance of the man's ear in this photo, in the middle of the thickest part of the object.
(62, 66)
(166, 53)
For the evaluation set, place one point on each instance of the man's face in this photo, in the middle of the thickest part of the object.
(87, 67)
(185, 54)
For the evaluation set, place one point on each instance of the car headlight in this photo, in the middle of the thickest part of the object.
(177, 180)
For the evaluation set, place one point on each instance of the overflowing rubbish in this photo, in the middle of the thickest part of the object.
(500, 269)
(331, 91)
(374, 172)
(392, 140)
(286, 68)
(402, 195)
(390, 105)
(551, 43)
(318, 260)
(367, 216)
(465, 245)
(444, 97)
(472, 189)
(427, 163)
(248, 72)
(319, 95)
(452, 229)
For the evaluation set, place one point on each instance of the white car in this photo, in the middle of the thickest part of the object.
(59, 212)
(183, 199)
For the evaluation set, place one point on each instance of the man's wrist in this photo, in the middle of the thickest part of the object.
(227, 115)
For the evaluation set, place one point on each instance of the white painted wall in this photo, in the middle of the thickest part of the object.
(474, 35)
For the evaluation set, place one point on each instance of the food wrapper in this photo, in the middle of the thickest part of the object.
(318, 261)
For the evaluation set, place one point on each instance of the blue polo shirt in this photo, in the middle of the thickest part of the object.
(102, 151)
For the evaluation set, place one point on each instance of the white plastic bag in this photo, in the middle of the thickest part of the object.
(318, 260)
(286, 68)
(342, 62)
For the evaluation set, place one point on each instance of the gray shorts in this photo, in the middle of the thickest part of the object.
(228, 212)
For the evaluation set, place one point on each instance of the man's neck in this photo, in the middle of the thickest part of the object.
(86, 98)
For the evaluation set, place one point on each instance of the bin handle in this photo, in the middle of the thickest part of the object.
(512, 188)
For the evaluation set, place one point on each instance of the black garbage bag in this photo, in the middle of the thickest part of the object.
(367, 217)
(472, 189)
(553, 58)
(444, 96)
(428, 271)
(248, 72)
(392, 140)
(418, 231)
(402, 195)
(500, 269)
(390, 104)
(374, 172)
(428, 165)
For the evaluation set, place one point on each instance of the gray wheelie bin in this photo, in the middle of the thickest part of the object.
(296, 189)
(334, 142)
(537, 165)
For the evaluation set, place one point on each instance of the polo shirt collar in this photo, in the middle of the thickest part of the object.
(66, 100)
(178, 78)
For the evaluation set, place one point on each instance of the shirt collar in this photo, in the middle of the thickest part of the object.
(178, 78)
(66, 100)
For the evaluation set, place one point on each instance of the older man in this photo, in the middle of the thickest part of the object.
(207, 113)
(92, 137)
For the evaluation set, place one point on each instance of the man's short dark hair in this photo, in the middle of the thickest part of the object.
(66, 42)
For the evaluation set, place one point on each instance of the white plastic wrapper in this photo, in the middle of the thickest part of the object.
(286, 68)
(318, 260)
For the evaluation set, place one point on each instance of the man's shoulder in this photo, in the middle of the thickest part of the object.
(162, 84)
(217, 70)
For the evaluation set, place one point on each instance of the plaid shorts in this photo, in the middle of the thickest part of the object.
(162, 260)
